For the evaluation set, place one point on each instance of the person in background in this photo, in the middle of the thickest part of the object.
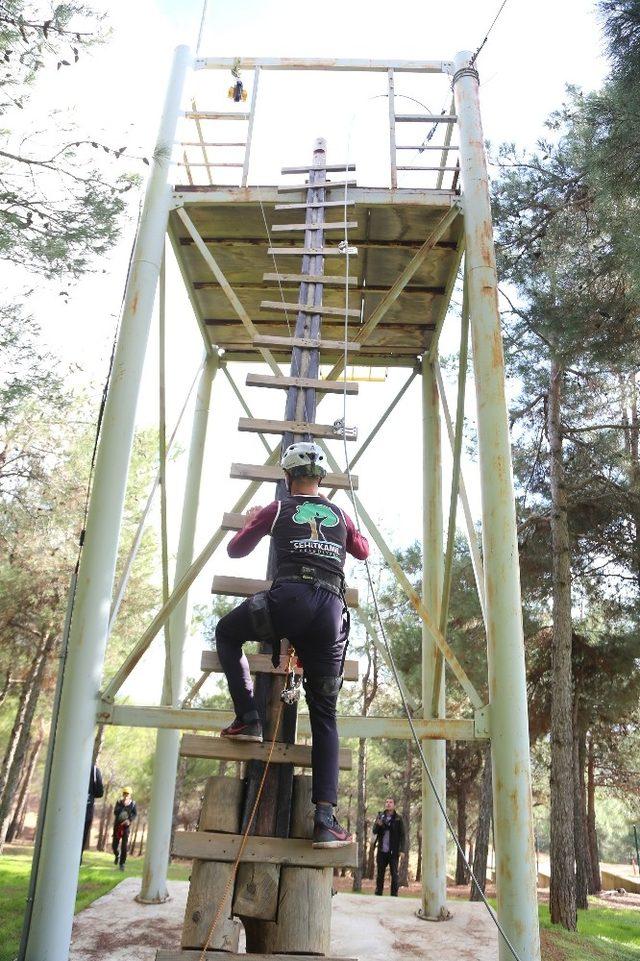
(124, 812)
(391, 840)
(96, 790)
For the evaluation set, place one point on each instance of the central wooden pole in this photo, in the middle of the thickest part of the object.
(257, 886)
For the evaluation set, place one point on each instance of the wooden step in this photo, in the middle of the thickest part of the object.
(328, 168)
(425, 118)
(308, 308)
(257, 425)
(283, 383)
(207, 846)
(178, 954)
(332, 225)
(262, 664)
(311, 251)
(215, 115)
(232, 522)
(246, 586)
(316, 204)
(268, 475)
(331, 279)
(328, 185)
(224, 749)
(266, 340)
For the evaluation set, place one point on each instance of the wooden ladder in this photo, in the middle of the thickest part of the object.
(279, 865)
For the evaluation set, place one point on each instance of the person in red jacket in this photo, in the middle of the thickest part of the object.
(311, 537)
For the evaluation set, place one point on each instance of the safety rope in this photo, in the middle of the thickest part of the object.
(372, 591)
(245, 836)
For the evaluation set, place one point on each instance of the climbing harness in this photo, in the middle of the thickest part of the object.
(290, 693)
(245, 836)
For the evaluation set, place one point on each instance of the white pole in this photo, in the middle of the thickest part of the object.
(515, 856)
(54, 901)
(165, 764)
(434, 830)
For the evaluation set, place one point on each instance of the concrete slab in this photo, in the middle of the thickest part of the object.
(117, 928)
(387, 929)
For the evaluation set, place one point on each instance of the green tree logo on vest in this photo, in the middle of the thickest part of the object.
(316, 516)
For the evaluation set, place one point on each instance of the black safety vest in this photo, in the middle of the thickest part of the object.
(310, 530)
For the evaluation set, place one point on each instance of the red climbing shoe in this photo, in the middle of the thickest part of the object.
(243, 731)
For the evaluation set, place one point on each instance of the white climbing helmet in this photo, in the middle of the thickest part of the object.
(304, 459)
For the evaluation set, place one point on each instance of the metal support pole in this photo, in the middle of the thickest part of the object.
(434, 830)
(165, 764)
(55, 890)
(515, 856)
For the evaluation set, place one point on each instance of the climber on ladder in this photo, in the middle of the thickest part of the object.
(306, 605)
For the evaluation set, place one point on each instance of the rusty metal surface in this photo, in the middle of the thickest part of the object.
(235, 233)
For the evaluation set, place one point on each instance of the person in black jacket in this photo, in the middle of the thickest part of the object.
(96, 790)
(391, 840)
(124, 811)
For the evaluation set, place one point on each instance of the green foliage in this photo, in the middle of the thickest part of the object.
(59, 209)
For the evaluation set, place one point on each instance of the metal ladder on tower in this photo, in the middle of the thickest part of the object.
(278, 864)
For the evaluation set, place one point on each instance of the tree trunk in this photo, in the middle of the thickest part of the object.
(182, 773)
(15, 756)
(419, 865)
(595, 881)
(562, 898)
(461, 805)
(15, 827)
(361, 791)
(104, 819)
(371, 862)
(141, 848)
(30, 688)
(484, 829)
(579, 814)
(403, 872)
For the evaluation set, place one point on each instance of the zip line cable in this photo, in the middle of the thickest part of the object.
(372, 591)
(493, 23)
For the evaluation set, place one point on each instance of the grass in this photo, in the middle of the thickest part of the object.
(604, 934)
(98, 875)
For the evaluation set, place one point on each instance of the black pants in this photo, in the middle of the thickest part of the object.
(120, 846)
(313, 621)
(390, 860)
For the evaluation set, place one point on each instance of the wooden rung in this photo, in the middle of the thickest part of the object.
(208, 846)
(257, 425)
(283, 383)
(315, 205)
(338, 225)
(329, 168)
(232, 522)
(328, 185)
(215, 115)
(271, 475)
(426, 118)
(262, 664)
(428, 168)
(186, 954)
(312, 251)
(200, 143)
(308, 308)
(427, 146)
(266, 340)
(246, 586)
(222, 749)
(327, 279)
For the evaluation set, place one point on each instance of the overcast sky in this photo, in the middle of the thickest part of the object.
(535, 50)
